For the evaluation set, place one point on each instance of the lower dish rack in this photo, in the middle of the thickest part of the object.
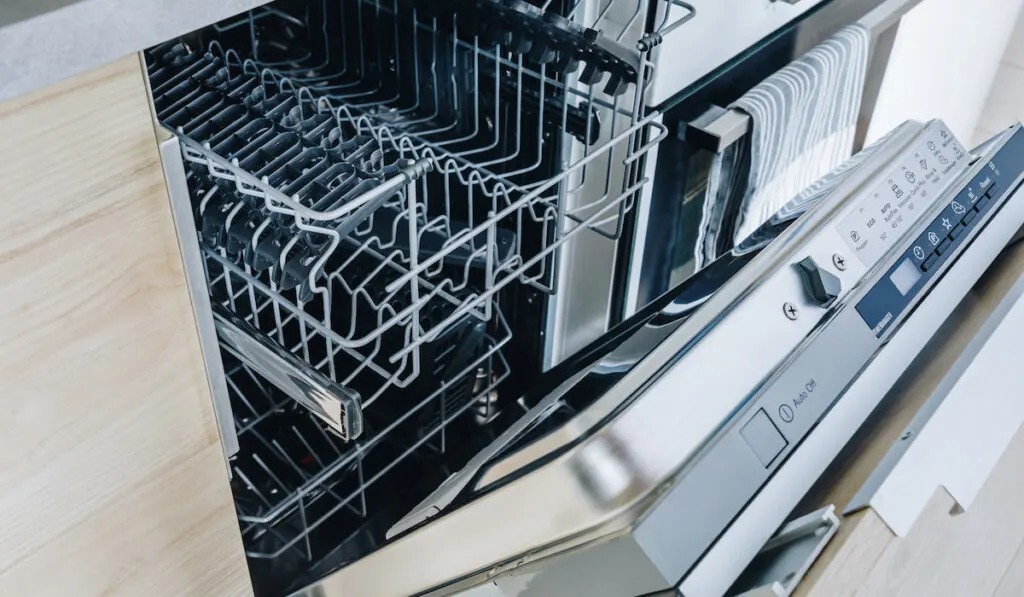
(307, 499)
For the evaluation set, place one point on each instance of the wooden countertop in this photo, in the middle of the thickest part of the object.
(112, 480)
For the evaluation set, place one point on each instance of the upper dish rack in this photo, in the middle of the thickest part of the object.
(362, 196)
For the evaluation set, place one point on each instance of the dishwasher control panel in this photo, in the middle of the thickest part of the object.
(900, 199)
(895, 292)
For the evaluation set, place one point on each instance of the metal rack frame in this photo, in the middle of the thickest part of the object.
(417, 156)
(340, 464)
(539, 202)
(361, 188)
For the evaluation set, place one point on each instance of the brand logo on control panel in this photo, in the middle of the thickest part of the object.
(881, 324)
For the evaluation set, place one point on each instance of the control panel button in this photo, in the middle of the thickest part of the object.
(956, 232)
(823, 287)
(929, 263)
(943, 247)
(919, 252)
(980, 205)
(969, 217)
(985, 183)
(764, 438)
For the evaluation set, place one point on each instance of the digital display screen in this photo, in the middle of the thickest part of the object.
(906, 276)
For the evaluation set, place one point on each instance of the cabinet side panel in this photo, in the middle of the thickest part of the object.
(112, 480)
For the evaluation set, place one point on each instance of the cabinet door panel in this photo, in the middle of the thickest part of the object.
(112, 479)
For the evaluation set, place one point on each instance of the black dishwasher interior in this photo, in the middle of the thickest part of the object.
(378, 189)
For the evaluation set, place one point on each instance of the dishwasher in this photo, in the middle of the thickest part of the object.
(381, 190)
(402, 217)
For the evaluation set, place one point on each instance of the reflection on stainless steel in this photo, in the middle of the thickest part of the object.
(336, 405)
(605, 472)
(616, 360)
(455, 484)
(582, 309)
(600, 365)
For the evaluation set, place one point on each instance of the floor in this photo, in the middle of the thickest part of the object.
(1005, 104)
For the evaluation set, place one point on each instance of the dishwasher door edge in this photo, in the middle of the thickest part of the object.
(192, 261)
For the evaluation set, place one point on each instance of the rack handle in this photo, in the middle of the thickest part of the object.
(336, 405)
(655, 38)
(717, 129)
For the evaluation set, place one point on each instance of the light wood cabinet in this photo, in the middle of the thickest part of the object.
(112, 479)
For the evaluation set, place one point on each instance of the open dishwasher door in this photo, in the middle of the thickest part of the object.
(663, 457)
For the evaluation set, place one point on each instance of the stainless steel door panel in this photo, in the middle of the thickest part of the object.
(763, 515)
(184, 223)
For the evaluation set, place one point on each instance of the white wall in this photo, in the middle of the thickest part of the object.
(1005, 103)
(943, 64)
